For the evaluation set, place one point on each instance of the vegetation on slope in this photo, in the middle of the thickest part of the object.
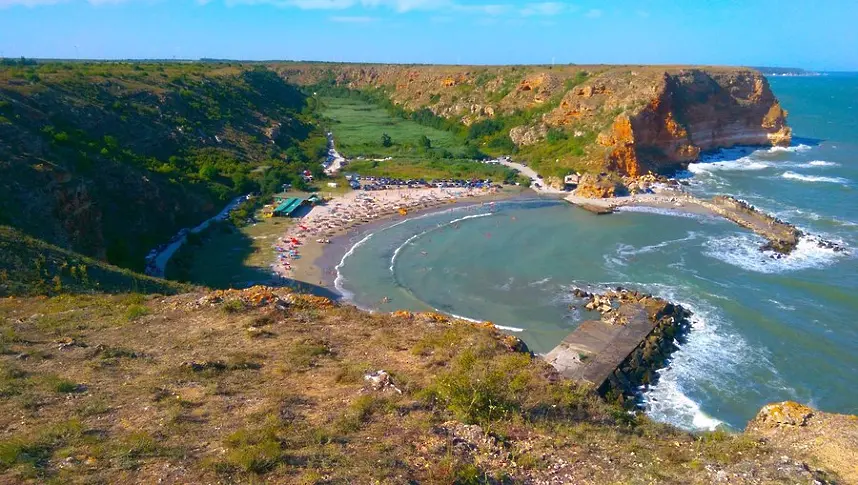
(357, 118)
(267, 385)
(111, 159)
(29, 266)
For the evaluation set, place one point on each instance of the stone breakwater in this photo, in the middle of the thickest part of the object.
(634, 336)
(649, 191)
(782, 237)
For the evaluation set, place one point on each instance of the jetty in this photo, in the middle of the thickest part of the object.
(622, 350)
(781, 237)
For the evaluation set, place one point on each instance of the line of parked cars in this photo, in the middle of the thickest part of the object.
(382, 183)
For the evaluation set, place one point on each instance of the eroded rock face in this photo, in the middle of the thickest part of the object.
(528, 135)
(824, 439)
(599, 187)
(692, 111)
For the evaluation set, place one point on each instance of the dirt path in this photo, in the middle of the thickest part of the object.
(536, 183)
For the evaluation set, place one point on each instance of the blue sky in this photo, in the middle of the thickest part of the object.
(814, 34)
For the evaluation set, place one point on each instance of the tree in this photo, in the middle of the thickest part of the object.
(425, 142)
(386, 141)
(208, 171)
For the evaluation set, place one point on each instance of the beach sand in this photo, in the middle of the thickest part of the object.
(327, 229)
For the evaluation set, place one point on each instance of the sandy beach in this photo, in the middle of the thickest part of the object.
(299, 249)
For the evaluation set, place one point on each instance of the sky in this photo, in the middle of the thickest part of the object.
(810, 34)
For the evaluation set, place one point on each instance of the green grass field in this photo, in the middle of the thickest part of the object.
(433, 169)
(358, 126)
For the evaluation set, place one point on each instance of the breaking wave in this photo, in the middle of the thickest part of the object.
(744, 251)
(743, 164)
(711, 356)
(822, 163)
(793, 149)
(814, 178)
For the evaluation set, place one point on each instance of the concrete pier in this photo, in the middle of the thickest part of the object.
(623, 349)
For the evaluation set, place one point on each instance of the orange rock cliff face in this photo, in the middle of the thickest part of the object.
(695, 111)
(645, 118)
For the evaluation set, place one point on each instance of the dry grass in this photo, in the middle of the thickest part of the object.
(88, 395)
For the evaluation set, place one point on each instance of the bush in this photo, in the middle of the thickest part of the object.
(253, 451)
(483, 390)
(484, 128)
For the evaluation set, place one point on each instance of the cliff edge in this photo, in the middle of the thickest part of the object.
(827, 440)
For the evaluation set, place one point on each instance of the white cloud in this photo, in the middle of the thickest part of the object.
(593, 13)
(544, 8)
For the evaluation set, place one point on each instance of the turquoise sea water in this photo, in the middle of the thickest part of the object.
(764, 330)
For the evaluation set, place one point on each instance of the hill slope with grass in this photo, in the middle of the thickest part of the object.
(561, 119)
(268, 385)
(29, 266)
(111, 159)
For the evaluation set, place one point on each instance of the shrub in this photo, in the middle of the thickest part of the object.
(253, 450)
(483, 390)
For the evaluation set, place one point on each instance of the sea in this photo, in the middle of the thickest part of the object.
(765, 329)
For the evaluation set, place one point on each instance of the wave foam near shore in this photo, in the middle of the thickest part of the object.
(474, 320)
(744, 251)
(710, 356)
(338, 281)
(419, 235)
(743, 164)
(793, 149)
(822, 163)
(814, 178)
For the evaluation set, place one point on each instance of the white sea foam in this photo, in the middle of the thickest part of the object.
(626, 250)
(472, 216)
(711, 358)
(417, 236)
(822, 163)
(743, 164)
(540, 282)
(338, 281)
(793, 149)
(666, 212)
(666, 402)
(406, 243)
(782, 306)
(744, 251)
(814, 178)
(474, 320)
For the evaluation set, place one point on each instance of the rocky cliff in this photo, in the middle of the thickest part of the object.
(641, 118)
(694, 110)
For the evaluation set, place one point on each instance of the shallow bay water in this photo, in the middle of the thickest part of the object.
(765, 329)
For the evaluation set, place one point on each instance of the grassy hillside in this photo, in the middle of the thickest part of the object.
(267, 386)
(29, 266)
(111, 159)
